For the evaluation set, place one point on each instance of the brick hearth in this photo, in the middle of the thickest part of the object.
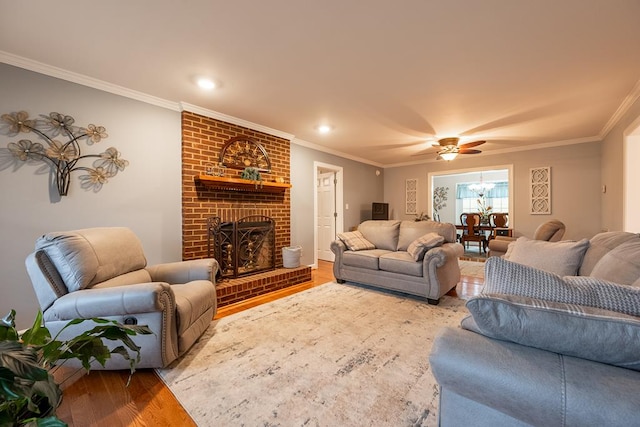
(230, 291)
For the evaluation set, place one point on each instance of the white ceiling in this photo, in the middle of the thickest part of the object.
(388, 75)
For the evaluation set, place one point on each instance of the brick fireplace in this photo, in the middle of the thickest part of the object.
(202, 141)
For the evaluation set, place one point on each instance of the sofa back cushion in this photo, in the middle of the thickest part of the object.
(86, 257)
(383, 234)
(620, 264)
(600, 245)
(412, 230)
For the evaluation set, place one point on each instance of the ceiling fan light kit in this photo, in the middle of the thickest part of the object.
(451, 149)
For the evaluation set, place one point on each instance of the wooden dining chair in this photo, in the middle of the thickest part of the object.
(499, 220)
(471, 232)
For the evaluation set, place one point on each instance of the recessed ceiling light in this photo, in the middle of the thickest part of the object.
(324, 128)
(206, 84)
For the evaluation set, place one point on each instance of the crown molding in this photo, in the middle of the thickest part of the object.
(628, 101)
(81, 79)
(234, 120)
(317, 147)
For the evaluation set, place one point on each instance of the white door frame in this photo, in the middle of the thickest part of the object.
(630, 175)
(317, 166)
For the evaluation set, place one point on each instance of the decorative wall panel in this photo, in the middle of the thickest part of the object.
(411, 197)
(540, 191)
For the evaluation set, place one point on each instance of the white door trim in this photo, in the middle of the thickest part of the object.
(317, 166)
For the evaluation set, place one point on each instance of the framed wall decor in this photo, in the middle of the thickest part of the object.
(411, 196)
(243, 152)
(540, 191)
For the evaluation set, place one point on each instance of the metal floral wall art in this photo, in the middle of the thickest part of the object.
(62, 149)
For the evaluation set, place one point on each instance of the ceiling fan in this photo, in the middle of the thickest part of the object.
(450, 148)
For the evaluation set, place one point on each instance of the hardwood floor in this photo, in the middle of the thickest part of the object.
(102, 398)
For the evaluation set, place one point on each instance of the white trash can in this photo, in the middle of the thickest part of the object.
(291, 256)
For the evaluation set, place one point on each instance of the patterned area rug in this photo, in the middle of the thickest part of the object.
(335, 355)
(471, 268)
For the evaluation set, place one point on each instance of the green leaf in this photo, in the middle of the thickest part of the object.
(51, 422)
(37, 334)
(21, 361)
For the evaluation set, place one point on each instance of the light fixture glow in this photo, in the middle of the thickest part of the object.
(324, 128)
(449, 156)
(481, 187)
(206, 84)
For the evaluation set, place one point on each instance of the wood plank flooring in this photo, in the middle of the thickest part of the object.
(102, 398)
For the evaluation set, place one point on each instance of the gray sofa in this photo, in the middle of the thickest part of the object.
(389, 265)
(548, 350)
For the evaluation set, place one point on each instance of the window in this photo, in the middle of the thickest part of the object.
(497, 198)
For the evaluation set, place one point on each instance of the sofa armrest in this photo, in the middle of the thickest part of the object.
(184, 271)
(109, 302)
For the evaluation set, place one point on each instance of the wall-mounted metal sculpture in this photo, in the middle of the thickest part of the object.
(62, 148)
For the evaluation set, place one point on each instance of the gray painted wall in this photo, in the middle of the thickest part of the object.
(361, 188)
(575, 175)
(612, 170)
(144, 197)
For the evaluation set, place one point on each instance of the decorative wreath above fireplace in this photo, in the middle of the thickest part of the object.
(243, 152)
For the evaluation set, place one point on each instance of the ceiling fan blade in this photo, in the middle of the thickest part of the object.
(468, 151)
(472, 144)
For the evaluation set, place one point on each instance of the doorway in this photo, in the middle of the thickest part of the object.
(450, 179)
(631, 176)
(329, 216)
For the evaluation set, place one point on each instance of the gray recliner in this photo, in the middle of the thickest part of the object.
(550, 231)
(102, 272)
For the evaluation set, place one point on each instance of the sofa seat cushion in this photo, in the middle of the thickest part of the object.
(620, 265)
(562, 258)
(401, 262)
(363, 259)
(585, 332)
(383, 234)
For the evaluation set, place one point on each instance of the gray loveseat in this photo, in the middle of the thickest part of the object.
(389, 265)
(545, 350)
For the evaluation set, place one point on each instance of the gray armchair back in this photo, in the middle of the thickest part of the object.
(102, 272)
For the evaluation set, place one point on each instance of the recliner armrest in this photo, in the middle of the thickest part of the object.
(181, 272)
(109, 302)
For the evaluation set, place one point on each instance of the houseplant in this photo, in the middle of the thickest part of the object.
(29, 394)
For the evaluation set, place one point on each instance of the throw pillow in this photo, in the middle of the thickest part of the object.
(355, 241)
(422, 244)
(508, 278)
(562, 258)
(578, 331)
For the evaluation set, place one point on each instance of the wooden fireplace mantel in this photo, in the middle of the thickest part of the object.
(239, 184)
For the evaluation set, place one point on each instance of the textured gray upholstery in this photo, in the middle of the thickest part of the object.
(102, 272)
(390, 266)
(550, 231)
(544, 350)
(487, 382)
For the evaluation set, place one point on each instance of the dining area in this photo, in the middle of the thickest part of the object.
(477, 229)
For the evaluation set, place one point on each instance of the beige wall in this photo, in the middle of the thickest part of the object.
(613, 171)
(575, 181)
